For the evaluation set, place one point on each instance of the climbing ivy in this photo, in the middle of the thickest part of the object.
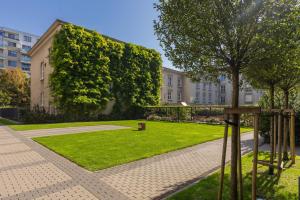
(89, 70)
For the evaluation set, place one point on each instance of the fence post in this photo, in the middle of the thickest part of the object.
(191, 113)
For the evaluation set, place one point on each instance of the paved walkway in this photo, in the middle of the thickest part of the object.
(69, 130)
(31, 171)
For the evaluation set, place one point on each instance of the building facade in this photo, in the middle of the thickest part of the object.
(177, 87)
(14, 47)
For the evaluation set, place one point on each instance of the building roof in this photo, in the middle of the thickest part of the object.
(17, 31)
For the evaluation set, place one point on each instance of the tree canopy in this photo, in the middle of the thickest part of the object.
(14, 87)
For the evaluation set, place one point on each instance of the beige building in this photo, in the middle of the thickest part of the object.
(41, 69)
(177, 87)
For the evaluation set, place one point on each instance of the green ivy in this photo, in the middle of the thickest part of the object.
(90, 69)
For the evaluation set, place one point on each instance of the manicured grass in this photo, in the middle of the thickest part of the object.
(4, 121)
(269, 187)
(103, 149)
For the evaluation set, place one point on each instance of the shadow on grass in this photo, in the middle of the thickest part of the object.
(269, 187)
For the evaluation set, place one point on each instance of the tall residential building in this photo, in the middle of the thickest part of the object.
(14, 46)
(177, 87)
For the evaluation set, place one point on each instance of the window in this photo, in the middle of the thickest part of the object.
(222, 78)
(179, 82)
(248, 98)
(42, 70)
(169, 80)
(197, 97)
(209, 98)
(1, 33)
(197, 85)
(248, 89)
(11, 44)
(222, 88)
(179, 95)
(13, 36)
(1, 63)
(222, 100)
(12, 53)
(25, 66)
(209, 86)
(26, 58)
(1, 52)
(169, 95)
(204, 98)
(26, 47)
(27, 38)
(12, 63)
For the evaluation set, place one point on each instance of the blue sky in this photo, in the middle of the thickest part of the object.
(127, 20)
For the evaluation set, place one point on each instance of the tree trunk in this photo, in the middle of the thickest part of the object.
(272, 135)
(286, 99)
(234, 135)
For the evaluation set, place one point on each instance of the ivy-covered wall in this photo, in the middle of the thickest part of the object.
(90, 69)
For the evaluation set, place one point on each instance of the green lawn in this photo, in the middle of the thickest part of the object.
(103, 149)
(4, 121)
(269, 187)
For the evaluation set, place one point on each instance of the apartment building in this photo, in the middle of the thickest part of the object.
(14, 47)
(177, 87)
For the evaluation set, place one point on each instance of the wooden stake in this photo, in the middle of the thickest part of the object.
(292, 138)
(255, 156)
(275, 135)
(223, 162)
(279, 142)
(240, 174)
(285, 137)
(271, 169)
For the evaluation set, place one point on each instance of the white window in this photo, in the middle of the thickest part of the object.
(222, 88)
(209, 98)
(179, 82)
(222, 100)
(248, 98)
(42, 70)
(169, 95)
(197, 97)
(179, 95)
(204, 98)
(27, 38)
(169, 80)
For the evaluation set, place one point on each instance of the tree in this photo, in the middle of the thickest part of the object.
(14, 87)
(279, 44)
(209, 38)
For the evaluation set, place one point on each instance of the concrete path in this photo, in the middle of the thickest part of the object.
(69, 130)
(31, 171)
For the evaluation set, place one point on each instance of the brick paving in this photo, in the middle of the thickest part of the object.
(69, 130)
(31, 171)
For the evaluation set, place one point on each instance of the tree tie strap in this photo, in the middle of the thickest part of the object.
(230, 123)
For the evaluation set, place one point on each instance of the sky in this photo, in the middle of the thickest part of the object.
(126, 20)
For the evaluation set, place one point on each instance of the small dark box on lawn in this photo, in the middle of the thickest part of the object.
(141, 126)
